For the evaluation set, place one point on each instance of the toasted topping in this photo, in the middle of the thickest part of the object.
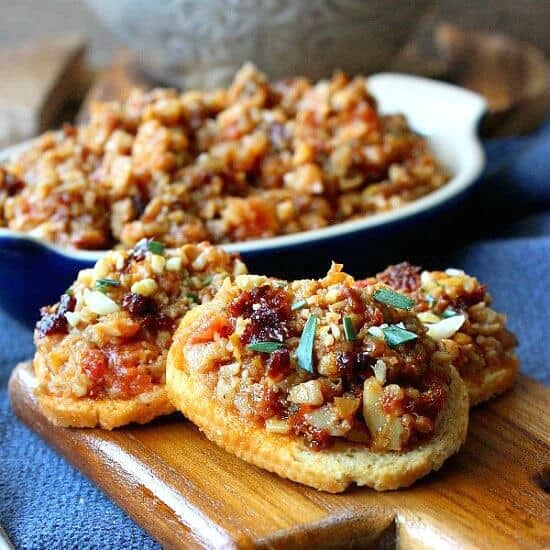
(145, 287)
(104, 284)
(174, 264)
(298, 305)
(396, 335)
(349, 330)
(155, 247)
(265, 347)
(99, 303)
(446, 328)
(310, 366)
(111, 336)
(304, 353)
(394, 299)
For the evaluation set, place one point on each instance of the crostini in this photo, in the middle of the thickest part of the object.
(320, 381)
(455, 308)
(101, 350)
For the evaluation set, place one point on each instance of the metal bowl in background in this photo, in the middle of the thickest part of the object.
(202, 43)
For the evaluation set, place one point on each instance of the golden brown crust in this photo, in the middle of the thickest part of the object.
(331, 470)
(492, 381)
(105, 413)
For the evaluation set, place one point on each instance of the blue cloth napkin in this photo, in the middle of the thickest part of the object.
(500, 234)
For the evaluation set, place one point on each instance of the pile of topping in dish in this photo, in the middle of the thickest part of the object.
(255, 160)
(454, 307)
(109, 334)
(323, 360)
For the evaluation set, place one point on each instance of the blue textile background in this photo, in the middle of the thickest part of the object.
(501, 234)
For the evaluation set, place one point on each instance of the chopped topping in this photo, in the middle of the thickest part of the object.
(155, 247)
(268, 309)
(173, 264)
(307, 393)
(218, 326)
(448, 313)
(304, 353)
(72, 318)
(104, 284)
(55, 322)
(393, 299)
(377, 332)
(349, 329)
(264, 347)
(380, 370)
(403, 276)
(145, 287)
(138, 305)
(396, 335)
(193, 296)
(428, 317)
(99, 303)
(158, 263)
(446, 328)
(298, 305)
(278, 364)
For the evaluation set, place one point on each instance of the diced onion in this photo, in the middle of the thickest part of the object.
(307, 393)
(173, 264)
(425, 278)
(454, 272)
(100, 303)
(72, 318)
(380, 369)
(374, 416)
(345, 407)
(277, 426)
(394, 433)
(428, 317)
(326, 418)
(377, 331)
(446, 327)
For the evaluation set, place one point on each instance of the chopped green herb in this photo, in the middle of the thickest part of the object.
(304, 353)
(265, 347)
(392, 298)
(349, 330)
(69, 292)
(207, 280)
(298, 305)
(281, 284)
(395, 335)
(104, 284)
(193, 296)
(448, 313)
(155, 247)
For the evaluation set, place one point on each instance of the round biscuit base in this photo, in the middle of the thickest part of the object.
(331, 470)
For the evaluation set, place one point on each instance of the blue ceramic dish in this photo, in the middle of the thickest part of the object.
(34, 272)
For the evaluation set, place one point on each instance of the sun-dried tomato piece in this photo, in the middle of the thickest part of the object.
(53, 320)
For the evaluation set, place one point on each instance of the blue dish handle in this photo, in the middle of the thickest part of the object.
(32, 275)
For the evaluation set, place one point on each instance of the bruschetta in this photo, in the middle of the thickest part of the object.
(320, 381)
(101, 350)
(456, 309)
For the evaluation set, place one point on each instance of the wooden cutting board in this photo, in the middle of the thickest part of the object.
(186, 492)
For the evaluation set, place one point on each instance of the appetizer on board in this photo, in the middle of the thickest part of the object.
(101, 350)
(320, 381)
(455, 309)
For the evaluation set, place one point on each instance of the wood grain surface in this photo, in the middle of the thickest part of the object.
(186, 492)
